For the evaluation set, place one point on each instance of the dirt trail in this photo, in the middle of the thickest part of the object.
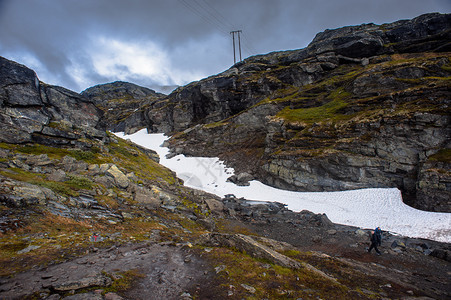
(164, 272)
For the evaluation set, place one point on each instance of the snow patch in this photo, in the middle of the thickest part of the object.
(365, 208)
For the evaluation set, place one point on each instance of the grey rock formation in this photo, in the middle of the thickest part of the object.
(233, 91)
(123, 104)
(361, 106)
(31, 111)
(85, 282)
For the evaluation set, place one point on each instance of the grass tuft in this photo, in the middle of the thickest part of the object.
(444, 155)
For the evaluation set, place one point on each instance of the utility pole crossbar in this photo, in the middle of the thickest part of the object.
(237, 32)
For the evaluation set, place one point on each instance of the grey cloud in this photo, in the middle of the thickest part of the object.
(193, 33)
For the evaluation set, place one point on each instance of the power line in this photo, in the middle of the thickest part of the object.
(209, 14)
(220, 16)
(202, 16)
(213, 13)
(248, 45)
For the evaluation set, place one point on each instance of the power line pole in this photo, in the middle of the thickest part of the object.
(237, 32)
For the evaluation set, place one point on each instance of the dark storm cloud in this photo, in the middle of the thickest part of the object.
(79, 43)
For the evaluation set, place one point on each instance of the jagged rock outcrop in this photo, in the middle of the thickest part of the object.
(123, 104)
(361, 106)
(31, 111)
(246, 83)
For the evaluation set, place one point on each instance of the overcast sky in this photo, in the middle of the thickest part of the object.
(81, 43)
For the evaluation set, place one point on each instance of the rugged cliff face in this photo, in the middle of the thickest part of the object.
(123, 104)
(361, 106)
(31, 111)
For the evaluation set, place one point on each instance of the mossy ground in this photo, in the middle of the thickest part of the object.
(59, 238)
(238, 270)
(129, 157)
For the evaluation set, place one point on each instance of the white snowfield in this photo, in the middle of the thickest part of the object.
(364, 208)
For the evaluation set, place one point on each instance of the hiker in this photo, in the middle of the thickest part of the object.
(378, 233)
(374, 243)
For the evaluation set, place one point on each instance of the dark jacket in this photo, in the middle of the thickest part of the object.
(374, 238)
(378, 234)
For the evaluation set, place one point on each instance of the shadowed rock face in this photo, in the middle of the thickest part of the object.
(123, 104)
(35, 112)
(361, 106)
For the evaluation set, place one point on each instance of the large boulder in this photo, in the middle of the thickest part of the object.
(120, 179)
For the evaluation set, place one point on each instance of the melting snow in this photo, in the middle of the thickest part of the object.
(365, 208)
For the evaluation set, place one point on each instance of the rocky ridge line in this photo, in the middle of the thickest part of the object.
(361, 106)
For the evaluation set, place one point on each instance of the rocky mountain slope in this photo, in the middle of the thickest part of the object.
(123, 104)
(361, 106)
(87, 215)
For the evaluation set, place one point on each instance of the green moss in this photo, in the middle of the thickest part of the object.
(389, 45)
(424, 80)
(282, 270)
(59, 187)
(341, 77)
(216, 124)
(226, 226)
(64, 126)
(292, 253)
(444, 155)
(13, 247)
(131, 158)
(194, 228)
(124, 281)
(446, 67)
(314, 114)
(196, 208)
(37, 149)
(87, 156)
(21, 175)
(69, 187)
(7, 146)
(79, 182)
